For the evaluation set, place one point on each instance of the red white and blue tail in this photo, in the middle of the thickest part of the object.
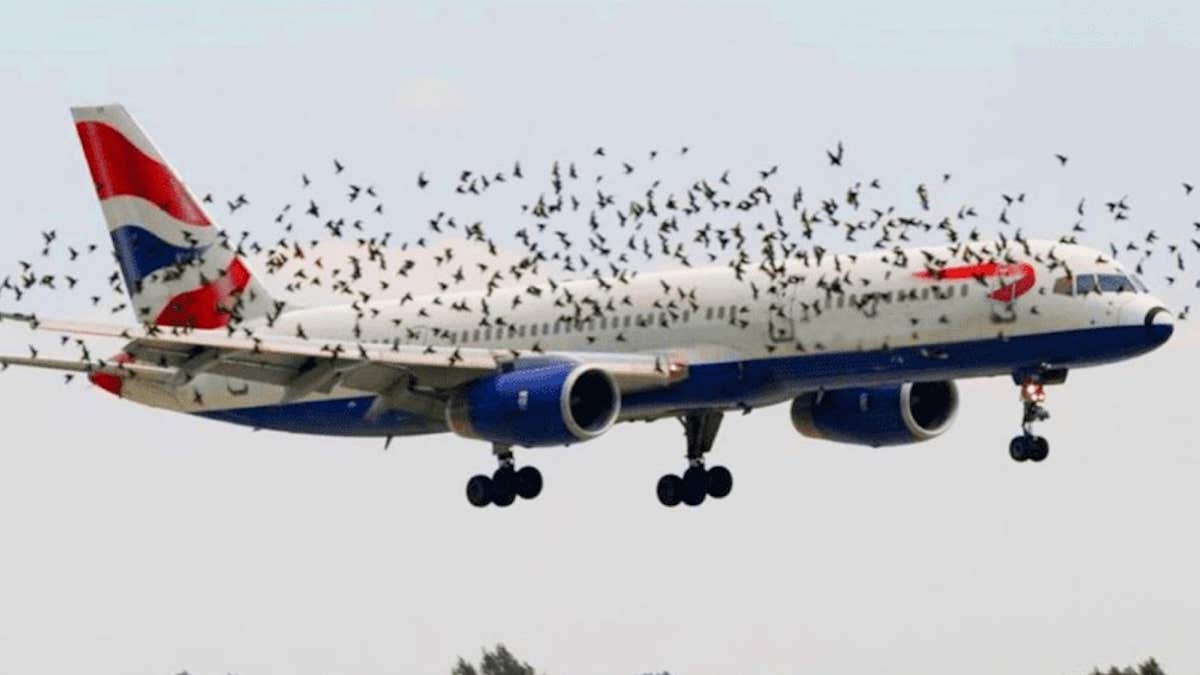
(179, 269)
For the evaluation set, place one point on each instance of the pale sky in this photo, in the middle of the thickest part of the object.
(140, 542)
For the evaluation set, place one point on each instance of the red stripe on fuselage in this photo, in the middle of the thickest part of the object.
(1006, 293)
(208, 306)
(120, 168)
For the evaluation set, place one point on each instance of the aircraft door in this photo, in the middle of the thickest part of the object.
(1006, 286)
(781, 315)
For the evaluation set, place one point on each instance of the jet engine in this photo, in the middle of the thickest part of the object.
(543, 405)
(877, 416)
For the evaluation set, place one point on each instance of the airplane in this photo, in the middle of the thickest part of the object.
(867, 348)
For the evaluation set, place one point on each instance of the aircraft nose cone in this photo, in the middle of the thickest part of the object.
(1159, 325)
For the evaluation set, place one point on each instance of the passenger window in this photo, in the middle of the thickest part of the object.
(708, 314)
(721, 312)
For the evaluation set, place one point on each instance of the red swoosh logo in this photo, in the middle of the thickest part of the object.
(1026, 277)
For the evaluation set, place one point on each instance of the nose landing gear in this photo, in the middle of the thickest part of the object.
(1029, 446)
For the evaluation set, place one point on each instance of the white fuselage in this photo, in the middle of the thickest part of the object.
(843, 310)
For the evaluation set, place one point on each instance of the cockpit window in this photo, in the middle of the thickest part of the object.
(1137, 283)
(1115, 283)
(1105, 283)
(1064, 285)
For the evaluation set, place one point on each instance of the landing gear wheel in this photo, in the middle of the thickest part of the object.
(720, 482)
(479, 490)
(695, 485)
(670, 490)
(1039, 448)
(1029, 446)
(700, 428)
(504, 486)
(1018, 449)
(528, 482)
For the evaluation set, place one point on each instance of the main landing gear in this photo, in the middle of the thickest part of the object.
(1027, 446)
(697, 482)
(505, 484)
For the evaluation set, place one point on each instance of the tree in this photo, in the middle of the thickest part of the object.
(1148, 667)
(498, 661)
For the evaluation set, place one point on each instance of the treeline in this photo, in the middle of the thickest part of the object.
(500, 661)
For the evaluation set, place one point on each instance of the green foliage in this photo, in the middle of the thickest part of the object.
(1148, 667)
(498, 661)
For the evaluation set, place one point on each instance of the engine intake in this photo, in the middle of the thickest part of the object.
(877, 416)
(543, 405)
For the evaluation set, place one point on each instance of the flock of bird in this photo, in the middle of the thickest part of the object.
(580, 225)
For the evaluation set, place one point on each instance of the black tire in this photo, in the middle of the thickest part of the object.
(479, 490)
(695, 486)
(1018, 449)
(1039, 449)
(670, 490)
(529, 482)
(720, 482)
(504, 486)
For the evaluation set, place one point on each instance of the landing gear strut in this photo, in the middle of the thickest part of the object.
(697, 482)
(1028, 446)
(505, 484)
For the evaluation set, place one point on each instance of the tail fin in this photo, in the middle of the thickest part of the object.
(179, 268)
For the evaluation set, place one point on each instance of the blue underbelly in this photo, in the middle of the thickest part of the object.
(333, 417)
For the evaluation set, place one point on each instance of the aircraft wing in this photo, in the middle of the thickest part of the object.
(409, 377)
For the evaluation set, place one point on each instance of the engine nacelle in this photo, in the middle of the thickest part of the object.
(877, 416)
(543, 405)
